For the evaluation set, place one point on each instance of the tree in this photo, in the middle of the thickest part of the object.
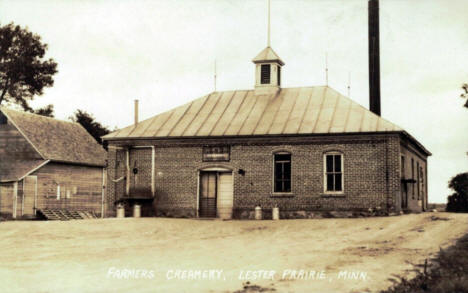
(23, 71)
(458, 201)
(45, 111)
(93, 127)
(465, 94)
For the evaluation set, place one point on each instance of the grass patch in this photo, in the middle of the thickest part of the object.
(447, 273)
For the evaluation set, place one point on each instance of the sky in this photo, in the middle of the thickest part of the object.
(162, 52)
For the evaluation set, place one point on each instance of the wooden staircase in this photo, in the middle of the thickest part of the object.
(65, 215)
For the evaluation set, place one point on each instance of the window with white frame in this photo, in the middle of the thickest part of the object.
(333, 172)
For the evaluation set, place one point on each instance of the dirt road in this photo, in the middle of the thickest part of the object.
(189, 255)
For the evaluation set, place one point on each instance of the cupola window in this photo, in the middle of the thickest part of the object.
(265, 74)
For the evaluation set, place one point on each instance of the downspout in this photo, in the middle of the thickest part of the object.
(22, 199)
(153, 177)
(127, 187)
(103, 192)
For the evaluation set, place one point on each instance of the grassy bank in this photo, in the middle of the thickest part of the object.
(447, 273)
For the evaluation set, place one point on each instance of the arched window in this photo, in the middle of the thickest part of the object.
(333, 172)
(282, 172)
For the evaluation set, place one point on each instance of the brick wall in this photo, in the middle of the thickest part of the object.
(416, 192)
(371, 174)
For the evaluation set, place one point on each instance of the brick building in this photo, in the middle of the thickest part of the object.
(47, 164)
(306, 150)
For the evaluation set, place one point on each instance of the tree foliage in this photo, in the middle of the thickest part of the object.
(465, 94)
(88, 121)
(24, 72)
(458, 201)
(45, 111)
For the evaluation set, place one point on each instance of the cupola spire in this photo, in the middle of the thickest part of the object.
(267, 68)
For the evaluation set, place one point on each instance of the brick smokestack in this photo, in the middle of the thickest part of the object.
(374, 57)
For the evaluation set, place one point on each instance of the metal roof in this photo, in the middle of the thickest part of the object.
(305, 110)
(267, 55)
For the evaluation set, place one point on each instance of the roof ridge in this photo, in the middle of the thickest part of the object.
(38, 115)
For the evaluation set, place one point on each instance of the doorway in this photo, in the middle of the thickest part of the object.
(216, 194)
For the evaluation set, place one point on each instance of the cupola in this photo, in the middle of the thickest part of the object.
(267, 72)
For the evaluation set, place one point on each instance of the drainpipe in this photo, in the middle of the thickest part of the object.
(103, 192)
(127, 187)
(153, 157)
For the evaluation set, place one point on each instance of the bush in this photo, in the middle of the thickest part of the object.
(458, 201)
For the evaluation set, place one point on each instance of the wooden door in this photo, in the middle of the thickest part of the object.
(29, 196)
(404, 195)
(208, 194)
(225, 195)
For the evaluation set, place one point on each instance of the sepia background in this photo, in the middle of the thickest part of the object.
(163, 53)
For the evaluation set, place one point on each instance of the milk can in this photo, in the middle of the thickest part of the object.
(275, 213)
(258, 213)
(120, 211)
(136, 210)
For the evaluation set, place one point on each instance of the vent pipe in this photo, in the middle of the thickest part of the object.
(374, 57)
(136, 112)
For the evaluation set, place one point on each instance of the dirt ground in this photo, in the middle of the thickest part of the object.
(191, 255)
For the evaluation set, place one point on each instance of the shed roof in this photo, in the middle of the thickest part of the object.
(57, 140)
(305, 110)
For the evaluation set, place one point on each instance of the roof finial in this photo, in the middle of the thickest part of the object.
(215, 75)
(349, 84)
(326, 68)
(268, 41)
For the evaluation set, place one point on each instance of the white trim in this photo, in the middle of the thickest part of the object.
(127, 183)
(35, 194)
(34, 170)
(142, 146)
(325, 173)
(15, 199)
(115, 147)
(218, 169)
(25, 137)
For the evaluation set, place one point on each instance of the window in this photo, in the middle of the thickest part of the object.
(3, 119)
(279, 75)
(412, 177)
(421, 174)
(403, 167)
(265, 73)
(418, 180)
(282, 172)
(333, 172)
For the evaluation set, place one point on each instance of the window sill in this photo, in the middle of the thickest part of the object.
(341, 194)
(282, 194)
